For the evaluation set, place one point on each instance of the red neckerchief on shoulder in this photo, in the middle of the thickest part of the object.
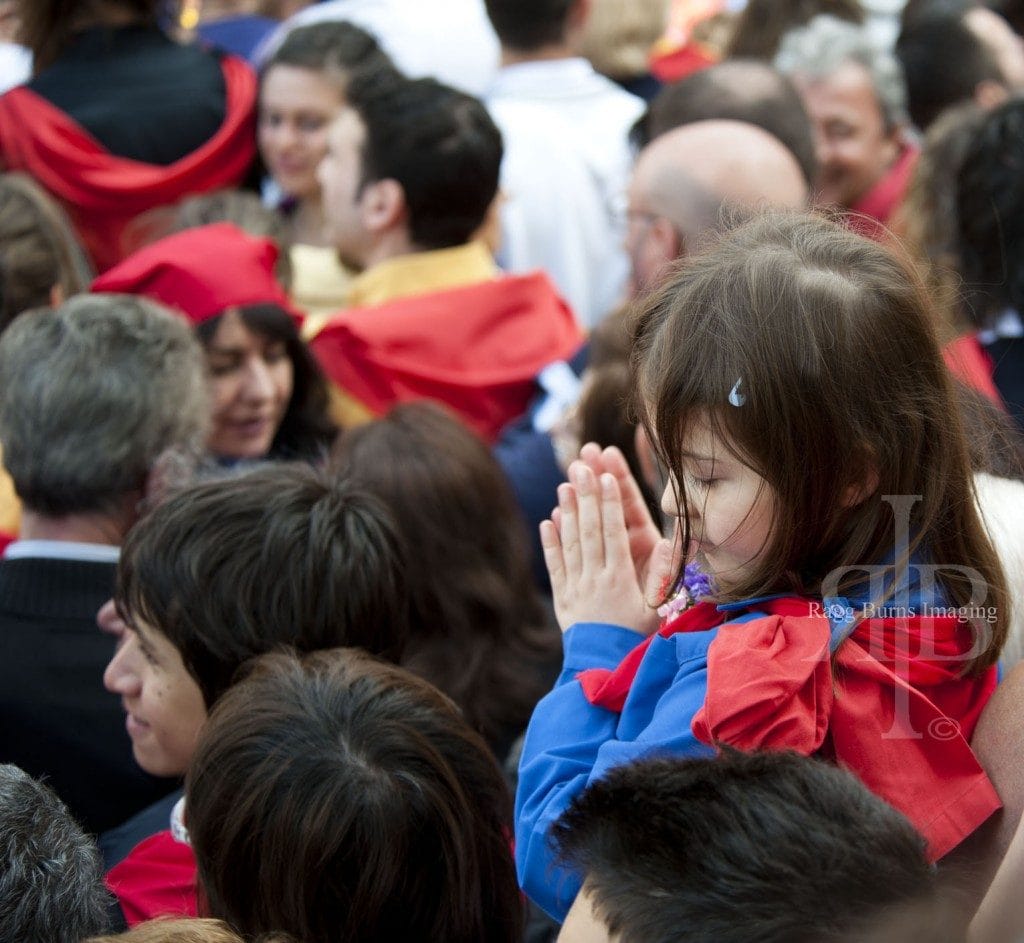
(891, 704)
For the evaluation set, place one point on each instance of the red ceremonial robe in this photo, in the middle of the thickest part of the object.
(103, 193)
(476, 348)
(891, 705)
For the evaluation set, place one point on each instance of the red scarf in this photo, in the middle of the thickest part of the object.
(103, 193)
(870, 214)
(476, 348)
(894, 713)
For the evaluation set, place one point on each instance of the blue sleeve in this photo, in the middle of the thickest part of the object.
(570, 742)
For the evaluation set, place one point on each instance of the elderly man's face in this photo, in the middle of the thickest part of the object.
(854, 150)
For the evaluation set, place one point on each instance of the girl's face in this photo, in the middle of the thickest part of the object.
(251, 382)
(164, 705)
(730, 506)
(296, 107)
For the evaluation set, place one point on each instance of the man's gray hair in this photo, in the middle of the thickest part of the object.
(51, 875)
(92, 393)
(819, 48)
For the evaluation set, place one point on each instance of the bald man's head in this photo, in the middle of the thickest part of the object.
(685, 178)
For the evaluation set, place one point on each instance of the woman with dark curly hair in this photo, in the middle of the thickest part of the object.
(269, 396)
(479, 630)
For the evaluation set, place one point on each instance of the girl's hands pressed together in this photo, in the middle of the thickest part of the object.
(591, 554)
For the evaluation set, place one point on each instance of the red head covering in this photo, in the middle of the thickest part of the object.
(202, 272)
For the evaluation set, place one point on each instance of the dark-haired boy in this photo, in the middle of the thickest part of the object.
(768, 847)
(409, 180)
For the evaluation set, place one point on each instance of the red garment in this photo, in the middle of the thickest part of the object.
(893, 712)
(104, 193)
(872, 211)
(970, 362)
(476, 348)
(157, 879)
(202, 272)
(680, 62)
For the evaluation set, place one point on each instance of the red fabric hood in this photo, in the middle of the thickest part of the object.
(477, 348)
(103, 193)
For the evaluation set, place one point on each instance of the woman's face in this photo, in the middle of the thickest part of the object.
(296, 107)
(251, 383)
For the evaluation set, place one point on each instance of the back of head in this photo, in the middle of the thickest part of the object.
(440, 144)
(989, 207)
(479, 631)
(91, 394)
(762, 24)
(817, 50)
(340, 799)
(926, 220)
(274, 557)
(527, 25)
(38, 249)
(830, 340)
(738, 90)
(51, 876)
(943, 63)
(48, 26)
(771, 847)
(246, 211)
(334, 47)
(164, 930)
(692, 173)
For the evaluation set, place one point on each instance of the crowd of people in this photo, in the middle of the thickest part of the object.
(507, 470)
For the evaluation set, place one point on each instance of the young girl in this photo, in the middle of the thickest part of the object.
(792, 383)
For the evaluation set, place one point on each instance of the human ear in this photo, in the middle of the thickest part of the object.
(989, 94)
(383, 205)
(666, 238)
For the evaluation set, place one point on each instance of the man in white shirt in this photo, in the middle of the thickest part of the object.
(567, 154)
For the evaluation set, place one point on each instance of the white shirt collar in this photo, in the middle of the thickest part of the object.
(62, 550)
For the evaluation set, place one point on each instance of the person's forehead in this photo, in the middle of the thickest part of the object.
(849, 87)
(348, 128)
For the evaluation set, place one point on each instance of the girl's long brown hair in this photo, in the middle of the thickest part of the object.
(847, 400)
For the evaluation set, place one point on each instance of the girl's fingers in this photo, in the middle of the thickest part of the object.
(616, 538)
(588, 507)
(552, 548)
(569, 531)
(660, 571)
(634, 508)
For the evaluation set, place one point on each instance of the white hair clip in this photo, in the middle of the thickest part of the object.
(736, 398)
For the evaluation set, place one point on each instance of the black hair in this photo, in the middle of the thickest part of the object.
(990, 215)
(943, 63)
(336, 47)
(439, 144)
(769, 847)
(738, 90)
(306, 431)
(526, 25)
(281, 555)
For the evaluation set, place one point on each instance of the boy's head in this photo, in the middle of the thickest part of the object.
(277, 557)
(336, 797)
(411, 165)
(770, 847)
